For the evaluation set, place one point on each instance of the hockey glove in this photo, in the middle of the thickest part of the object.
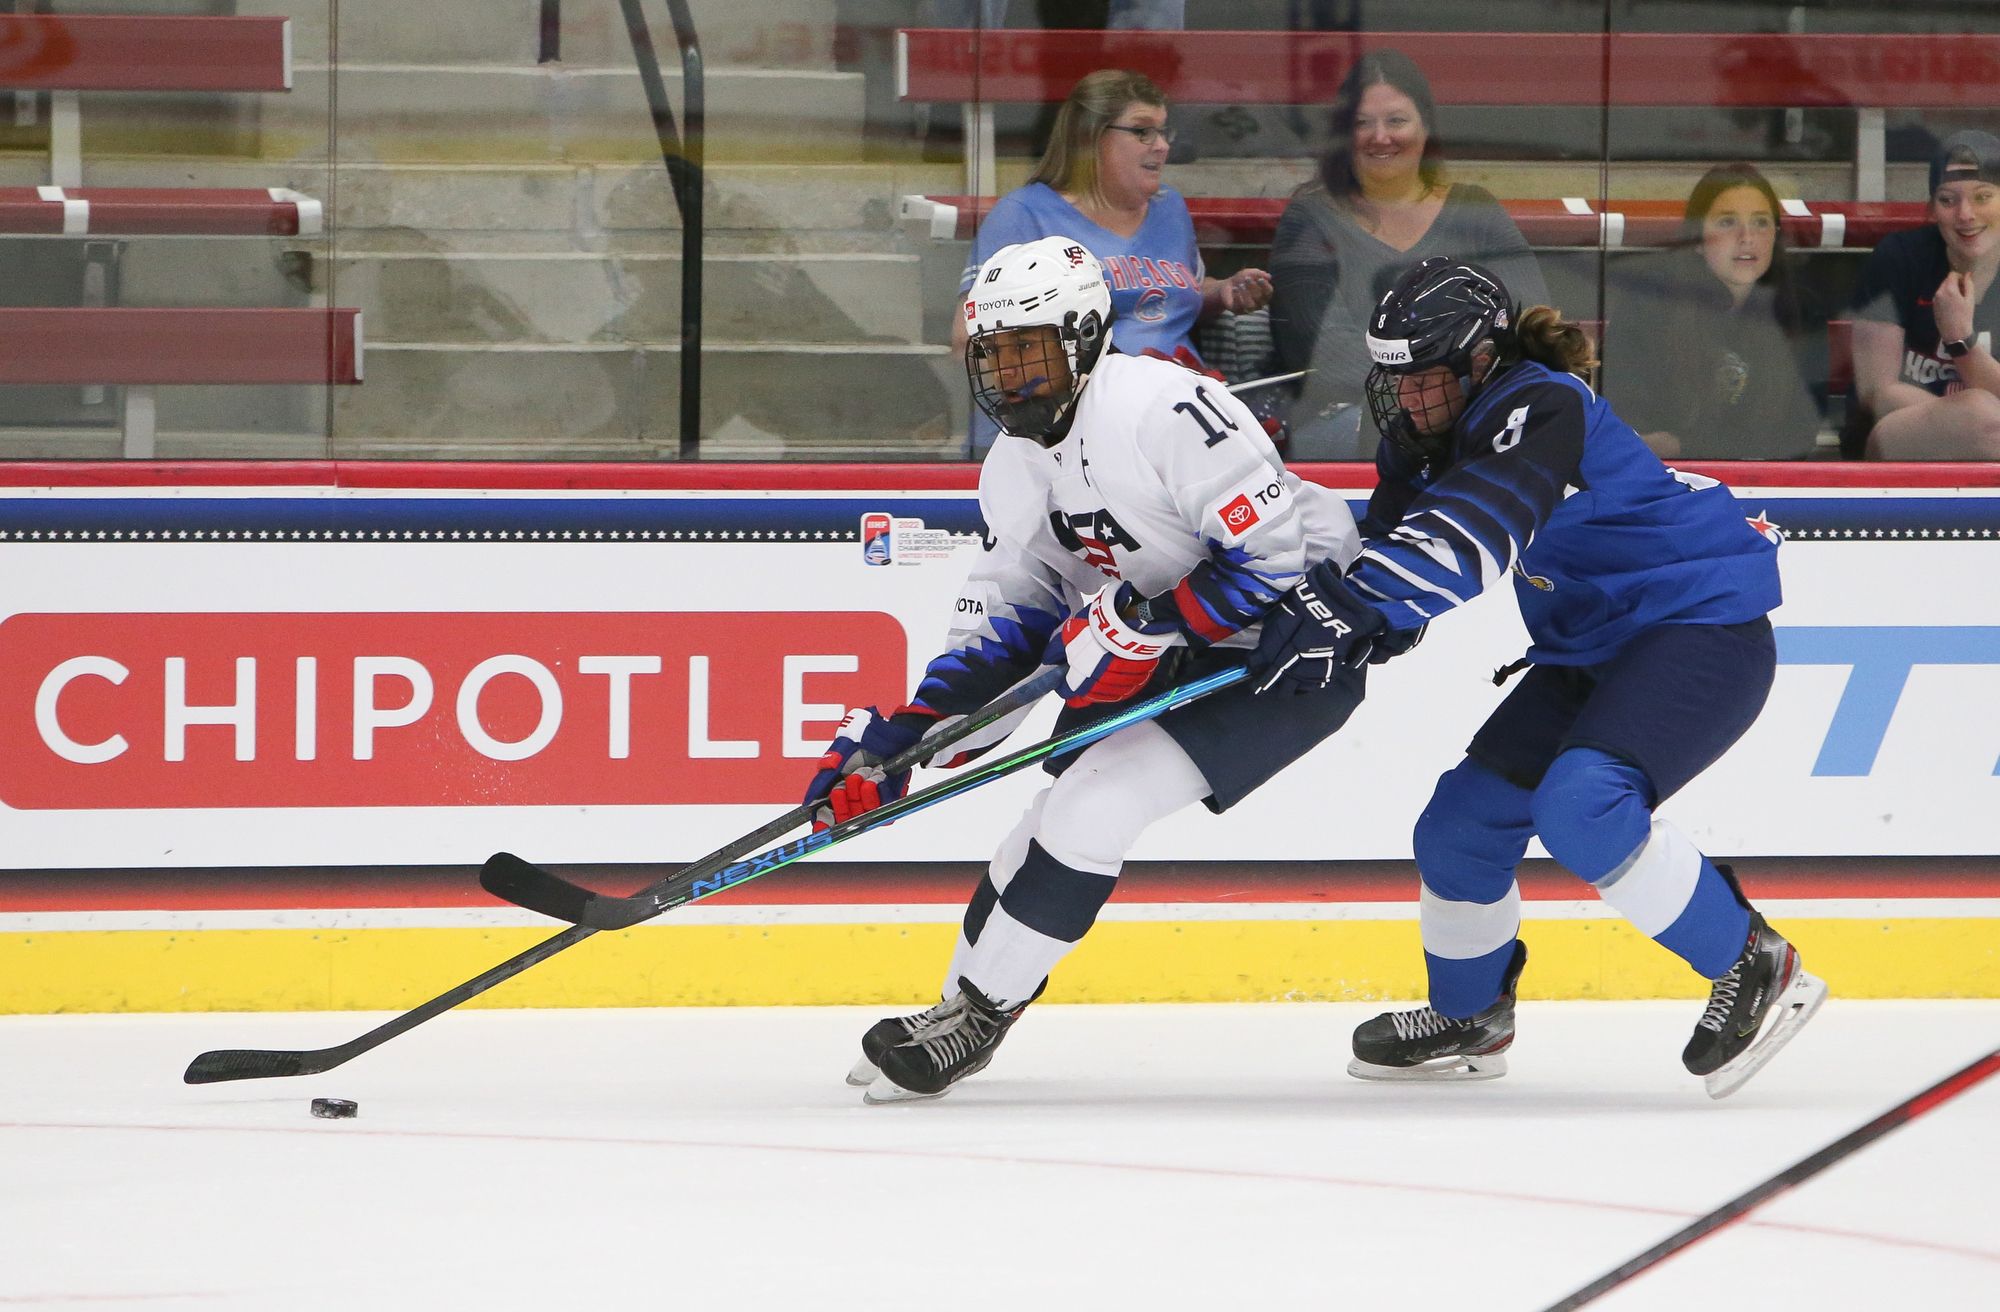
(1394, 642)
(850, 779)
(1318, 629)
(1109, 657)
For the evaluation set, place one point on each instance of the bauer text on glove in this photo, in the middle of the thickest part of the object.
(1109, 656)
(1316, 630)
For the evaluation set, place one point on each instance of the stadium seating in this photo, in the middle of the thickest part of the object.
(142, 348)
(1866, 73)
(1570, 221)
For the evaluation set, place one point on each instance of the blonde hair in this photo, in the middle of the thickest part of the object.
(1541, 334)
(1069, 165)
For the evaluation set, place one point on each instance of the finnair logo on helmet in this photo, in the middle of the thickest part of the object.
(1391, 351)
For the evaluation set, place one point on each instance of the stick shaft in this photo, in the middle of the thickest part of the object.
(1804, 1169)
(231, 1064)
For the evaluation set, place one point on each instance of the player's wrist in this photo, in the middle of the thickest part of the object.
(1150, 615)
(915, 718)
(1127, 636)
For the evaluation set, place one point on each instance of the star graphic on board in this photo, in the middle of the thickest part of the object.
(1764, 526)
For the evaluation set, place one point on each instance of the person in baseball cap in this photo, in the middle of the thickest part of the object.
(1927, 316)
(1968, 156)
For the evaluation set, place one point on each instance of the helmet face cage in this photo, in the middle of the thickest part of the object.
(1438, 313)
(1043, 309)
(1049, 361)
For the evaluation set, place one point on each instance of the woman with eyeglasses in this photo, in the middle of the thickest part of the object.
(1380, 205)
(1101, 184)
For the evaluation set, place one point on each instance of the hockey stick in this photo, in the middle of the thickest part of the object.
(1798, 1172)
(258, 1064)
(1252, 384)
(528, 885)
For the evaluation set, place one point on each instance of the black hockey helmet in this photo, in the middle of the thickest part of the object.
(1438, 313)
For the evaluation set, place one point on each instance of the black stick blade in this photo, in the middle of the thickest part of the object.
(249, 1064)
(526, 884)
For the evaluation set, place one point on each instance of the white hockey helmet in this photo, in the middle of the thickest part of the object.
(1052, 283)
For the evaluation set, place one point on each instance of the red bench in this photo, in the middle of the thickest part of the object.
(140, 349)
(1865, 72)
(1573, 221)
(144, 348)
(159, 212)
(67, 54)
(144, 52)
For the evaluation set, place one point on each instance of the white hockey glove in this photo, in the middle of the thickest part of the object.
(1109, 657)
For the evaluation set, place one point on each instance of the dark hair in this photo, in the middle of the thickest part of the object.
(1384, 67)
(1778, 278)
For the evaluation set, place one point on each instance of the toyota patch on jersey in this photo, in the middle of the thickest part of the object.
(1258, 499)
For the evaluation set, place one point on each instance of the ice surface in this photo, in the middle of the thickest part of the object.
(1142, 1157)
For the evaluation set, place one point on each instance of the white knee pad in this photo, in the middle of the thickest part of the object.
(1101, 804)
(1013, 849)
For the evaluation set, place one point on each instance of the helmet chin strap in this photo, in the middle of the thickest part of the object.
(1057, 429)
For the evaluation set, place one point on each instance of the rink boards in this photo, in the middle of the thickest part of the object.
(264, 722)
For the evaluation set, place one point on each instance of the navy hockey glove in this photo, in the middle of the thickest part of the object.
(1109, 656)
(1316, 630)
(1394, 642)
(850, 779)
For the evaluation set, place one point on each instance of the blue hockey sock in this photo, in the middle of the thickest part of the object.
(1711, 930)
(1676, 896)
(1462, 987)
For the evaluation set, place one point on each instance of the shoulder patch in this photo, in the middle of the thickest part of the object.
(1259, 498)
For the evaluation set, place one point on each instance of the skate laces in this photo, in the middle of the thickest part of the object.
(1423, 1023)
(1721, 1000)
(961, 1030)
(916, 1024)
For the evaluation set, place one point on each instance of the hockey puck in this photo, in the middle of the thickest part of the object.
(334, 1109)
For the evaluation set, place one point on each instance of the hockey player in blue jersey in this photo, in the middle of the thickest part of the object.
(1645, 592)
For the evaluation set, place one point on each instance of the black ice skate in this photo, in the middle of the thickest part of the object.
(959, 1041)
(1423, 1045)
(886, 1034)
(1753, 1011)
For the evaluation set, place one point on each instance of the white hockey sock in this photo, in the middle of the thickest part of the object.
(1070, 846)
(1459, 931)
(1653, 885)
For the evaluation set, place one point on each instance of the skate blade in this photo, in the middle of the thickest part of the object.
(1801, 998)
(863, 1074)
(885, 1090)
(1485, 1066)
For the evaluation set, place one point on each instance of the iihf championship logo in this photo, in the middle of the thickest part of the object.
(876, 532)
(891, 539)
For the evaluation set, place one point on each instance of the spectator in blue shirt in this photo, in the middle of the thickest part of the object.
(1101, 184)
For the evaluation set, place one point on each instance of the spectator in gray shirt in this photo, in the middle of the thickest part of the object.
(1381, 205)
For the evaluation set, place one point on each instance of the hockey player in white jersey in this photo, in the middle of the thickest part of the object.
(1138, 525)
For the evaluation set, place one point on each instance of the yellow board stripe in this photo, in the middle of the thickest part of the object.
(785, 964)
